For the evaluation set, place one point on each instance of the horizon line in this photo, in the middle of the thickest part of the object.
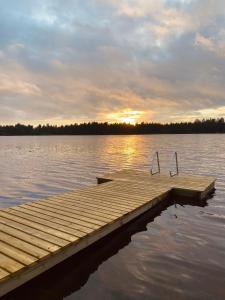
(114, 123)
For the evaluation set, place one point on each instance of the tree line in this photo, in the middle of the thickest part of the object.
(96, 128)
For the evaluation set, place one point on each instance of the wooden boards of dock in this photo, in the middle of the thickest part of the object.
(38, 235)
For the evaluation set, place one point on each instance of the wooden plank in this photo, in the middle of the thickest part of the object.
(117, 201)
(18, 255)
(116, 198)
(70, 251)
(3, 274)
(140, 189)
(86, 221)
(38, 215)
(83, 209)
(38, 235)
(122, 197)
(131, 186)
(79, 212)
(33, 232)
(126, 197)
(16, 214)
(200, 182)
(40, 243)
(18, 211)
(130, 190)
(51, 222)
(105, 206)
(24, 246)
(93, 204)
(9, 264)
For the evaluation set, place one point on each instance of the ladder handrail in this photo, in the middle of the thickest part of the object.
(177, 166)
(156, 154)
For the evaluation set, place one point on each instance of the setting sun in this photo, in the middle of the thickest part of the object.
(128, 120)
(127, 116)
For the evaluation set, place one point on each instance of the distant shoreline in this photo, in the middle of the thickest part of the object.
(212, 126)
(113, 134)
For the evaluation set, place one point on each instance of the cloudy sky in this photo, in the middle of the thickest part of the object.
(66, 61)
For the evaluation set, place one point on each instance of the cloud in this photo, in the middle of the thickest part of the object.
(75, 61)
(16, 86)
(216, 46)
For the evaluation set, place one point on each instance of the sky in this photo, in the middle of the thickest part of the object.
(67, 61)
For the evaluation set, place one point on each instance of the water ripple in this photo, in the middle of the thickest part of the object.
(181, 254)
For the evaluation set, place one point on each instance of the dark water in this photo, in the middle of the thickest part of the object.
(174, 252)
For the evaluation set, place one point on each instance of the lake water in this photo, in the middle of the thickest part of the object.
(177, 252)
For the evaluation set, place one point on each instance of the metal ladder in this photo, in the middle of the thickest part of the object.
(156, 159)
(155, 156)
(175, 158)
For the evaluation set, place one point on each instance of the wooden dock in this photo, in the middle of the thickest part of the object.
(38, 235)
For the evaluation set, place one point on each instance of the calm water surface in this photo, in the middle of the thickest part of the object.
(177, 253)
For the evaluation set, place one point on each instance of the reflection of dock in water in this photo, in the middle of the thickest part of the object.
(37, 236)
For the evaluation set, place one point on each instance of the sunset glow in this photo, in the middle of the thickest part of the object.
(129, 117)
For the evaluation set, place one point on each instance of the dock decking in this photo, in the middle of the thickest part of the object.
(38, 235)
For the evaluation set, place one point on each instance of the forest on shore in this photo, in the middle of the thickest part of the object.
(96, 128)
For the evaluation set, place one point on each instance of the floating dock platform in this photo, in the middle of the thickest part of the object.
(38, 235)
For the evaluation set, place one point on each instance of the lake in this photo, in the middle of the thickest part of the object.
(177, 251)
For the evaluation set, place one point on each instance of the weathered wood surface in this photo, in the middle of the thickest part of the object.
(38, 235)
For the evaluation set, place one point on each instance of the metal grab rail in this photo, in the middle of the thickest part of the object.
(177, 167)
(156, 155)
